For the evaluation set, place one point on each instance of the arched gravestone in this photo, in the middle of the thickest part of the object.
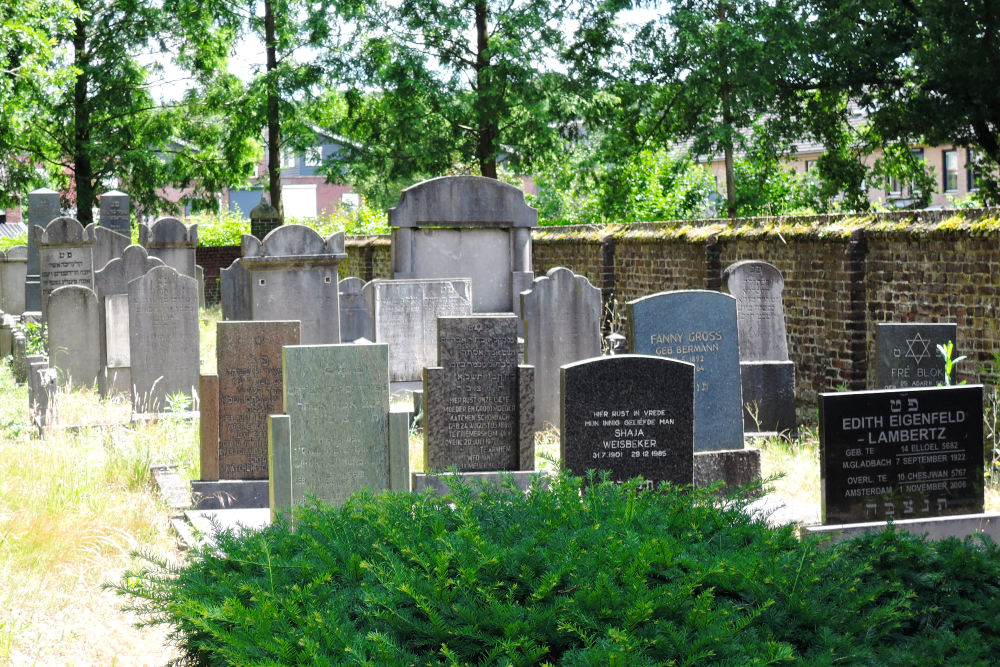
(292, 275)
(13, 272)
(173, 242)
(72, 335)
(466, 227)
(65, 256)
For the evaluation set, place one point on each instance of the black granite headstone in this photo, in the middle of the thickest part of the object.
(901, 454)
(908, 354)
(630, 415)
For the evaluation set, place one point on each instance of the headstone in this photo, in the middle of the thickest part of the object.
(901, 453)
(293, 276)
(466, 227)
(355, 315)
(249, 368)
(108, 245)
(697, 326)
(117, 362)
(173, 242)
(43, 208)
(163, 335)
(64, 256)
(116, 214)
(199, 275)
(208, 413)
(405, 316)
(478, 401)
(336, 440)
(234, 285)
(908, 354)
(562, 324)
(13, 273)
(767, 376)
(7, 326)
(630, 415)
(264, 218)
(72, 332)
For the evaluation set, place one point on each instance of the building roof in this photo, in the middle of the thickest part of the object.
(11, 229)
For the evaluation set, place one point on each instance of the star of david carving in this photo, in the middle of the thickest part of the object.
(917, 348)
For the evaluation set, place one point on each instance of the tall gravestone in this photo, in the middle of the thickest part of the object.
(163, 337)
(767, 376)
(173, 242)
(337, 435)
(628, 415)
(405, 314)
(908, 354)
(562, 324)
(74, 349)
(293, 276)
(699, 327)
(116, 213)
(466, 227)
(108, 245)
(43, 208)
(901, 454)
(234, 288)
(478, 402)
(13, 273)
(65, 256)
(355, 313)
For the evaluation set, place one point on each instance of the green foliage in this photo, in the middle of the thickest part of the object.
(766, 188)
(222, 229)
(7, 242)
(36, 338)
(570, 575)
(227, 229)
(947, 351)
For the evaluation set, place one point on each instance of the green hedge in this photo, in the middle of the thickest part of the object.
(609, 575)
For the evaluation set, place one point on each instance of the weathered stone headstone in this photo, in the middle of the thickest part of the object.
(208, 413)
(43, 208)
(697, 326)
(234, 288)
(335, 437)
(562, 324)
(901, 454)
(163, 335)
(355, 315)
(466, 227)
(478, 403)
(74, 349)
(405, 314)
(767, 376)
(65, 256)
(13, 273)
(630, 415)
(264, 219)
(908, 354)
(108, 245)
(116, 214)
(173, 242)
(293, 276)
(116, 377)
(199, 275)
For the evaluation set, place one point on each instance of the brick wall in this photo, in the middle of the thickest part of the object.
(213, 259)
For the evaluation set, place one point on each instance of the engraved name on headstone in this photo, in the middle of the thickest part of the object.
(908, 354)
(65, 256)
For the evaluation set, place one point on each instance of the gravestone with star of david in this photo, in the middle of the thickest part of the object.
(907, 354)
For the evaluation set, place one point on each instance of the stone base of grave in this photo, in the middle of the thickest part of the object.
(936, 528)
(733, 467)
(768, 396)
(229, 494)
(438, 481)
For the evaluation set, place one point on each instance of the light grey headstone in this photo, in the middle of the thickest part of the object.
(757, 287)
(355, 316)
(337, 401)
(562, 324)
(13, 272)
(65, 256)
(108, 245)
(405, 316)
(72, 331)
(115, 214)
(163, 337)
(199, 274)
(173, 242)
(907, 354)
(116, 327)
(43, 208)
(697, 326)
(293, 276)
(466, 227)
(234, 284)
(279, 466)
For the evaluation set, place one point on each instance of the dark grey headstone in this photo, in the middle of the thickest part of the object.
(115, 213)
(697, 326)
(630, 415)
(43, 208)
(473, 401)
(768, 396)
(901, 454)
(908, 355)
(264, 218)
(757, 287)
(355, 313)
(234, 283)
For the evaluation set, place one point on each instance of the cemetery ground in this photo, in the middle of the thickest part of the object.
(75, 505)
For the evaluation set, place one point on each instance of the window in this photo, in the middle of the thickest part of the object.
(350, 199)
(287, 159)
(972, 174)
(314, 156)
(901, 190)
(811, 166)
(949, 170)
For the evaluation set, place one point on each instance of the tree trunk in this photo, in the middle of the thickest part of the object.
(485, 111)
(727, 121)
(273, 123)
(83, 169)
